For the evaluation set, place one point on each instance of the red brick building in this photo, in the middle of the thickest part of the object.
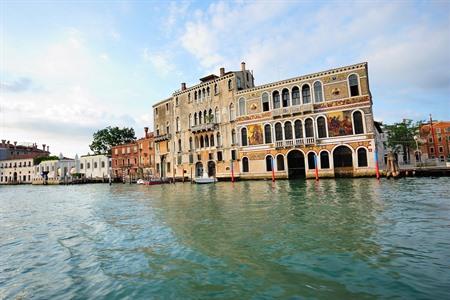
(436, 146)
(136, 159)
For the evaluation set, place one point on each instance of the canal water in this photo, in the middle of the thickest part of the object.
(335, 239)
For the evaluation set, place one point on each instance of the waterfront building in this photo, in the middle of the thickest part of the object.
(14, 171)
(136, 159)
(16, 150)
(94, 166)
(437, 146)
(54, 170)
(230, 128)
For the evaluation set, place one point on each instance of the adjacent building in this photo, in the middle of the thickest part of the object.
(134, 160)
(55, 171)
(228, 127)
(94, 166)
(435, 146)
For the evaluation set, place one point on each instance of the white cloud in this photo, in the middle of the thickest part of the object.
(104, 57)
(161, 62)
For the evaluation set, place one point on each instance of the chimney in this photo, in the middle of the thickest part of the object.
(183, 86)
(43, 147)
(222, 72)
(15, 144)
(146, 132)
(242, 66)
(48, 149)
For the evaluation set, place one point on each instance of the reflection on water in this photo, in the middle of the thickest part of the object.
(343, 238)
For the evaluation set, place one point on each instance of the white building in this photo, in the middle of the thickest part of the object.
(55, 170)
(14, 171)
(94, 166)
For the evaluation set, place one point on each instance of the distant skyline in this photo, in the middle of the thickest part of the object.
(70, 68)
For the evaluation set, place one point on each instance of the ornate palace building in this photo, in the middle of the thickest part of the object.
(228, 127)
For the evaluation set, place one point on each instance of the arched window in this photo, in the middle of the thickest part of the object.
(298, 129)
(216, 115)
(189, 97)
(233, 137)
(358, 127)
(196, 143)
(230, 84)
(195, 95)
(179, 145)
(353, 84)
(265, 102)
(211, 140)
(285, 97)
(206, 141)
(244, 136)
(295, 96)
(324, 160)
(321, 127)
(167, 127)
(157, 129)
(190, 120)
(311, 161)
(306, 94)
(195, 119)
(232, 115)
(241, 107)
(216, 91)
(202, 142)
(318, 96)
(203, 93)
(362, 157)
(278, 132)
(280, 162)
(269, 163)
(190, 143)
(245, 165)
(309, 129)
(200, 118)
(288, 131)
(276, 99)
(178, 124)
(207, 91)
(219, 141)
(268, 133)
(205, 117)
(210, 116)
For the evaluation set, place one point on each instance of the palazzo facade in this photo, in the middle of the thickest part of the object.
(284, 129)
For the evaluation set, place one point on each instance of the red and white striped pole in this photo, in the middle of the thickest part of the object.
(232, 172)
(377, 168)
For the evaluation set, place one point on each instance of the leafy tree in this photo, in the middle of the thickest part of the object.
(106, 138)
(401, 136)
(39, 159)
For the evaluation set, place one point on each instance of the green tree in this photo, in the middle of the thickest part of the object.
(106, 138)
(401, 136)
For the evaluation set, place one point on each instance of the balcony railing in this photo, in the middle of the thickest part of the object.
(295, 142)
(303, 108)
(204, 127)
(162, 137)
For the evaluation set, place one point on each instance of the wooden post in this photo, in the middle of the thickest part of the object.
(191, 176)
(232, 171)
(273, 170)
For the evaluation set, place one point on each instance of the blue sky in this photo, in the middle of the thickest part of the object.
(70, 68)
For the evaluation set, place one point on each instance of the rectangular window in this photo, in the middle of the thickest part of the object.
(191, 158)
(168, 166)
(103, 164)
(441, 149)
(233, 154)
(219, 156)
(210, 155)
(116, 151)
(431, 150)
(81, 166)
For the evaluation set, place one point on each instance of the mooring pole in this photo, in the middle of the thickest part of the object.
(232, 172)
(377, 168)
(273, 170)
(316, 167)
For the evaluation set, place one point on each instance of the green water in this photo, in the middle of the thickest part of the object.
(336, 239)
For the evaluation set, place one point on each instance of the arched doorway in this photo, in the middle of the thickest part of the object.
(296, 164)
(15, 177)
(343, 161)
(211, 169)
(163, 164)
(198, 169)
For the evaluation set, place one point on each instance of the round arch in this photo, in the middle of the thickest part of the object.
(343, 160)
(296, 163)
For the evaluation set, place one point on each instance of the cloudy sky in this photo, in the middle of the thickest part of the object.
(70, 68)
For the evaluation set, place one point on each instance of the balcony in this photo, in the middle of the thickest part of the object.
(204, 127)
(296, 109)
(162, 137)
(295, 142)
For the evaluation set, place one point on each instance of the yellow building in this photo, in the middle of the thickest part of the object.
(225, 125)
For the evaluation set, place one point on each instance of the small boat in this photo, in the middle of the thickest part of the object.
(205, 179)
